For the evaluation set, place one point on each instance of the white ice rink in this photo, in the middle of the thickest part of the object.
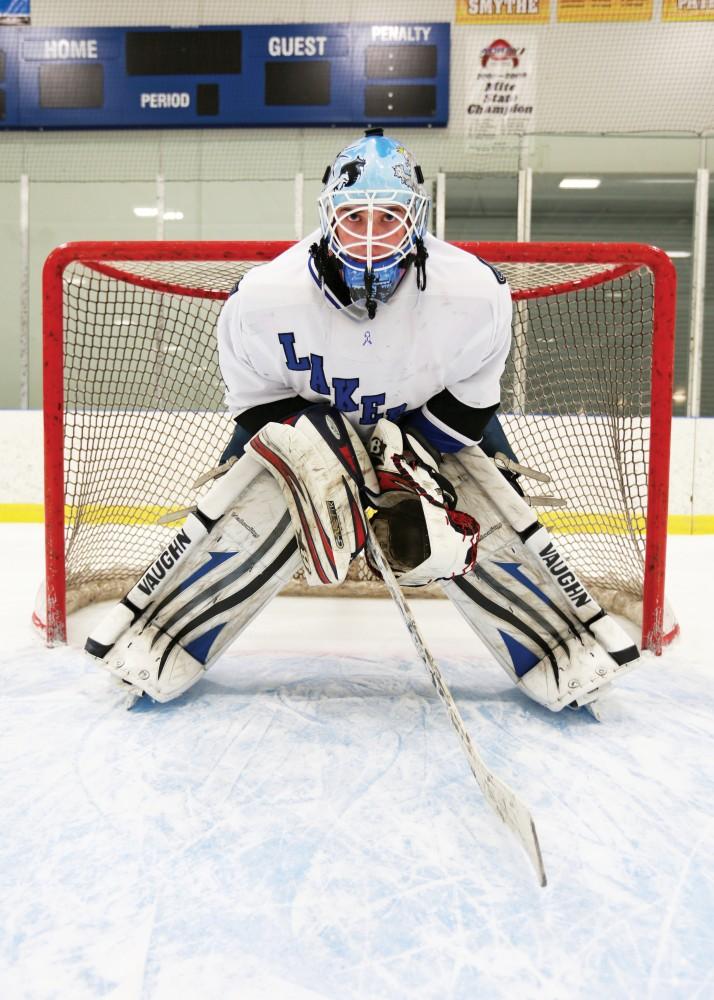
(303, 823)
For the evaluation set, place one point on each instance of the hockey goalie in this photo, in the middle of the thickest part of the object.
(362, 368)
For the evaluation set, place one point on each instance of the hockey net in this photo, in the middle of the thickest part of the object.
(134, 410)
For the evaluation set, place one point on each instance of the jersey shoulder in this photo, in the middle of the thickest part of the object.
(285, 280)
(461, 272)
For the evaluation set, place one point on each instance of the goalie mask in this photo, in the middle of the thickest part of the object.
(373, 218)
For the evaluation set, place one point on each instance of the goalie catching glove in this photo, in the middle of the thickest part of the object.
(422, 534)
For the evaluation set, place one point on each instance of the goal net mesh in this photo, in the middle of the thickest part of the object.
(144, 413)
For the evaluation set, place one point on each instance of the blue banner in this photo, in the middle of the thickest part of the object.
(15, 11)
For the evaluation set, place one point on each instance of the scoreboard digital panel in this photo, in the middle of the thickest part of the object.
(293, 83)
(252, 75)
(71, 85)
(183, 53)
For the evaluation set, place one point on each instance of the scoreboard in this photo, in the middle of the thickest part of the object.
(252, 75)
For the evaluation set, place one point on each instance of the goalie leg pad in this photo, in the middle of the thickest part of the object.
(526, 603)
(210, 508)
(248, 557)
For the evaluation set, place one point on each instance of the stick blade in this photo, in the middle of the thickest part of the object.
(511, 811)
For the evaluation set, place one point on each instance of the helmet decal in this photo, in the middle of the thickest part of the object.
(350, 172)
(403, 173)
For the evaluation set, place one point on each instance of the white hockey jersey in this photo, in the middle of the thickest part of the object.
(281, 335)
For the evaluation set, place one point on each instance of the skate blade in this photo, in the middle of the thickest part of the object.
(129, 694)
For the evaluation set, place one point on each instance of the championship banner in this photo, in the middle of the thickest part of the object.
(604, 10)
(483, 12)
(500, 89)
(688, 10)
(14, 11)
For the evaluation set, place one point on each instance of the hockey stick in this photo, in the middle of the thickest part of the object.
(499, 796)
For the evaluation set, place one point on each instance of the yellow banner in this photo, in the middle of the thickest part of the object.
(604, 10)
(688, 10)
(483, 12)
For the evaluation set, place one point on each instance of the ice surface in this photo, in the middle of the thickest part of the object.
(303, 824)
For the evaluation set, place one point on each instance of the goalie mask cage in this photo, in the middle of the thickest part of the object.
(134, 412)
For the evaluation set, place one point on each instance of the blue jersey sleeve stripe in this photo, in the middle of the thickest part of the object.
(436, 432)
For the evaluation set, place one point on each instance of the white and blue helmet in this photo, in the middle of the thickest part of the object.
(377, 181)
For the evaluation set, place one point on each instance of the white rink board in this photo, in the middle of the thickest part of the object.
(586, 455)
(691, 472)
(146, 433)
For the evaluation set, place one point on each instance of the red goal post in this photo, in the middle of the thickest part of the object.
(586, 397)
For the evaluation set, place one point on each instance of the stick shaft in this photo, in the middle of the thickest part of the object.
(499, 796)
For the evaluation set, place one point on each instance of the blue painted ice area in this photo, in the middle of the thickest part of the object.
(303, 823)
